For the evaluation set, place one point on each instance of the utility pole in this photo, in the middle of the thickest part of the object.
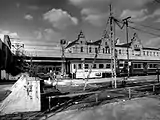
(126, 23)
(63, 42)
(112, 40)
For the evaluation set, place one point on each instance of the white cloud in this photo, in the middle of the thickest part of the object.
(33, 7)
(96, 11)
(117, 3)
(94, 16)
(154, 42)
(139, 15)
(96, 19)
(48, 35)
(156, 12)
(60, 19)
(28, 17)
(158, 20)
(11, 34)
(45, 40)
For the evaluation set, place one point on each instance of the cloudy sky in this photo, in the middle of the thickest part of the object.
(40, 24)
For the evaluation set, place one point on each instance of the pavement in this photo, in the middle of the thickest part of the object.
(75, 82)
(103, 80)
(136, 109)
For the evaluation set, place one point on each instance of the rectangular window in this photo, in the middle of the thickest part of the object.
(109, 51)
(96, 50)
(86, 66)
(101, 66)
(79, 66)
(108, 65)
(120, 51)
(144, 53)
(90, 49)
(94, 66)
(74, 66)
(132, 52)
(150, 53)
(139, 65)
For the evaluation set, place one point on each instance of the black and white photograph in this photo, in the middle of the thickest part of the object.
(79, 59)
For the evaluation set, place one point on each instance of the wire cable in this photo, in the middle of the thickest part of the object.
(144, 31)
(158, 29)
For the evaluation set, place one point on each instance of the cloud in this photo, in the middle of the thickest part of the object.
(44, 40)
(158, 20)
(140, 15)
(60, 19)
(11, 34)
(28, 17)
(48, 35)
(93, 16)
(154, 42)
(117, 3)
(136, 15)
(33, 7)
(156, 12)
(96, 11)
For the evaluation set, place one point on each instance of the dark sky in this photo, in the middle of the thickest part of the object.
(44, 22)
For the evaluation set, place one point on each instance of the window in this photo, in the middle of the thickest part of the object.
(108, 51)
(155, 65)
(79, 66)
(132, 52)
(120, 51)
(154, 53)
(90, 49)
(81, 49)
(144, 53)
(96, 50)
(94, 66)
(147, 53)
(157, 53)
(137, 65)
(86, 66)
(103, 50)
(74, 66)
(108, 65)
(150, 53)
(101, 66)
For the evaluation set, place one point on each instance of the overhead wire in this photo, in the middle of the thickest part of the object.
(144, 31)
(147, 26)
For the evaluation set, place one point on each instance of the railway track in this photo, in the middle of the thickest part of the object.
(89, 98)
(100, 97)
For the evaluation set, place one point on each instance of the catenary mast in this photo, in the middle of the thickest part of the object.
(113, 55)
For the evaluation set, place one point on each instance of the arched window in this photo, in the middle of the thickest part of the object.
(81, 49)
(103, 50)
